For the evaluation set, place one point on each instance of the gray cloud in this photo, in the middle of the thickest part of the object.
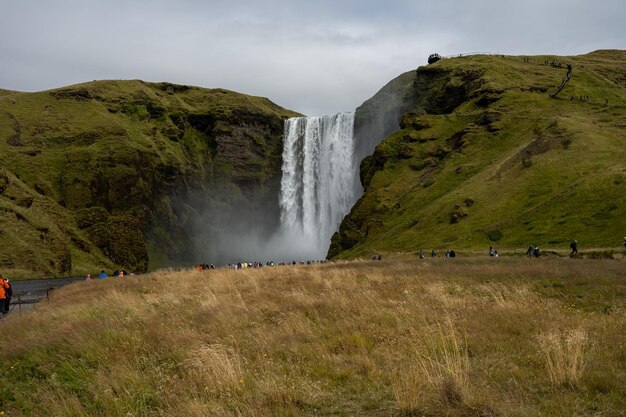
(314, 57)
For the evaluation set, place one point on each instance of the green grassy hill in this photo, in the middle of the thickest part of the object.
(110, 173)
(6, 92)
(485, 157)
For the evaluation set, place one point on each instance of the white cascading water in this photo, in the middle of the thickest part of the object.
(318, 186)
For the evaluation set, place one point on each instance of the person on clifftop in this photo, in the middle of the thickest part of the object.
(574, 247)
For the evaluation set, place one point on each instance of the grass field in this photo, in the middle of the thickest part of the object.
(476, 336)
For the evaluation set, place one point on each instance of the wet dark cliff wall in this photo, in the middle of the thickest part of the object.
(380, 115)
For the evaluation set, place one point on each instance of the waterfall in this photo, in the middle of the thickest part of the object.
(319, 180)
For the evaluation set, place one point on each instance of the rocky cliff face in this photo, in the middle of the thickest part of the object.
(474, 155)
(116, 173)
(433, 90)
(427, 90)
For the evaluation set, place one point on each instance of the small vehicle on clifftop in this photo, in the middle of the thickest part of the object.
(434, 58)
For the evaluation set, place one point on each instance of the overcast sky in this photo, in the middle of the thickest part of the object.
(316, 57)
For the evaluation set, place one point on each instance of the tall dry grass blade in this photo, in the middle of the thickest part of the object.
(440, 367)
(446, 363)
(218, 368)
(564, 355)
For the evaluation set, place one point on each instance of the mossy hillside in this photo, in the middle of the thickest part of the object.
(4, 92)
(507, 167)
(36, 234)
(144, 156)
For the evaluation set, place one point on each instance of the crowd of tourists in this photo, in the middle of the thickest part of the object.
(433, 254)
(117, 274)
(532, 252)
(255, 264)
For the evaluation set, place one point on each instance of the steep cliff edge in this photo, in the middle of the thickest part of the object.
(481, 155)
(115, 173)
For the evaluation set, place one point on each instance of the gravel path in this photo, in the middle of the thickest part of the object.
(39, 285)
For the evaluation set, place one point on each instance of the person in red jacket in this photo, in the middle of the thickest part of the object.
(5, 295)
(9, 293)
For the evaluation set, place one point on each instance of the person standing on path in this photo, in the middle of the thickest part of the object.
(5, 289)
(9, 292)
(574, 247)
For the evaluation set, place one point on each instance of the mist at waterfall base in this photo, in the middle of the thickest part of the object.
(241, 234)
(236, 225)
(318, 186)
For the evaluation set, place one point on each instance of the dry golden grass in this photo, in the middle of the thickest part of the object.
(440, 367)
(564, 355)
(393, 338)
